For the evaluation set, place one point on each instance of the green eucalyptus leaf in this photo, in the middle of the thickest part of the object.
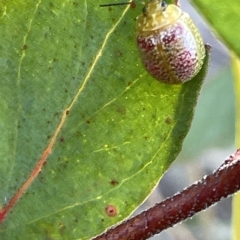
(224, 18)
(74, 92)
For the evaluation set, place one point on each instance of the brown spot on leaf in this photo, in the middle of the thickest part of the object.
(76, 220)
(114, 182)
(133, 4)
(121, 110)
(111, 210)
(168, 120)
(62, 227)
(118, 54)
(67, 112)
(25, 47)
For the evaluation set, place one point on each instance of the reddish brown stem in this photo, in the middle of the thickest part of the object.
(202, 194)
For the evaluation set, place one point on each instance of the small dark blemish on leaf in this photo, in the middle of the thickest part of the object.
(67, 112)
(56, 114)
(111, 210)
(113, 182)
(168, 120)
(83, 63)
(118, 54)
(129, 83)
(48, 122)
(133, 4)
(121, 110)
(62, 228)
(78, 134)
(124, 22)
(102, 219)
(88, 121)
(61, 139)
(25, 47)
(65, 166)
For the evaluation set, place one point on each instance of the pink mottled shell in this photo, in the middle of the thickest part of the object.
(174, 53)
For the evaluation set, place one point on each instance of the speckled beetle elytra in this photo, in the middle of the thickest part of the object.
(170, 45)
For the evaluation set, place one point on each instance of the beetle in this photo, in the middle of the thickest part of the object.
(170, 45)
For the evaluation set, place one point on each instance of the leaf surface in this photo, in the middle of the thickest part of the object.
(223, 18)
(76, 100)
